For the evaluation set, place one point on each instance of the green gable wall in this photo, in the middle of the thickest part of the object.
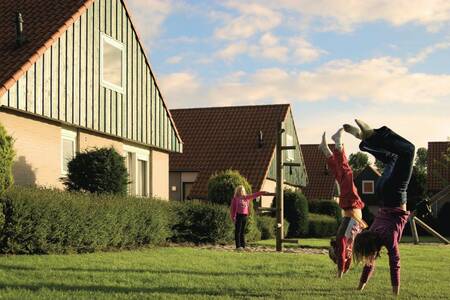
(64, 84)
(295, 176)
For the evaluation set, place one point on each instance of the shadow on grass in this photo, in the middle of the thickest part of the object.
(200, 291)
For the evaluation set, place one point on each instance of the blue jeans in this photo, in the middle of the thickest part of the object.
(397, 154)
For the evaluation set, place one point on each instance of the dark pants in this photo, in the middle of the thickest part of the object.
(397, 154)
(239, 230)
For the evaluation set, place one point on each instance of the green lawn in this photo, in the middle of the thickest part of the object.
(193, 273)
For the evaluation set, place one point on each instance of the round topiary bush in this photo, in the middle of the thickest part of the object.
(221, 186)
(6, 160)
(100, 170)
(296, 213)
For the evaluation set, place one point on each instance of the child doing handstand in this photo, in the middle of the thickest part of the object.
(349, 201)
(397, 155)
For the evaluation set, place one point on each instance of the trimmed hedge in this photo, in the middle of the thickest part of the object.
(296, 213)
(322, 225)
(443, 219)
(221, 186)
(39, 221)
(99, 170)
(200, 222)
(268, 225)
(7, 155)
(326, 207)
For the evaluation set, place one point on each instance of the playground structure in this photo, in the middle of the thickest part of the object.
(414, 220)
(279, 196)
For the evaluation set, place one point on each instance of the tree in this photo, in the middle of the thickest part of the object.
(7, 155)
(358, 161)
(421, 160)
(380, 165)
(101, 170)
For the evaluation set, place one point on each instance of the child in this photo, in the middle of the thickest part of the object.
(397, 154)
(239, 213)
(350, 202)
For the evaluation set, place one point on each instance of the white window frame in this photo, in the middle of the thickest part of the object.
(69, 135)
(290, 155)
(107, 39)
(363, 186)
(138, 154)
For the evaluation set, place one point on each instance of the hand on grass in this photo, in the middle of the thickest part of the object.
(396, 290)
(361, 286)
(339, 274)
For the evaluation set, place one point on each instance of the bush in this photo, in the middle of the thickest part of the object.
(6, 160)
(39, 221)
(221, 186)
(322, 225)
(201, 222)
(444, 219)
(268, 226)
(296, 213)
(101, 170)
(326, 207)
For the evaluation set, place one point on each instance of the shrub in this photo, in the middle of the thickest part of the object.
(101, 170)
(221, 186)
(444, 220)
(268, 226)
(50, 221)
(326, 207)
(202, 222)
(321, 225)
(6, 160)
(296, 213)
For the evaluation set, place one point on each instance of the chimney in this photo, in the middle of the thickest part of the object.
(20, 38)
(260, 139)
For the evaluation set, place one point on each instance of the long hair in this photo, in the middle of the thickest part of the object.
(366, 247)
(332, 250)
(239, 191)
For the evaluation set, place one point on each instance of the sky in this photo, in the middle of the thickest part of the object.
(383, 61)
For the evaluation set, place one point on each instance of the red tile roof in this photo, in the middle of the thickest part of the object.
(221, 138)
(321, 183)
(438, 169)
(44, 22)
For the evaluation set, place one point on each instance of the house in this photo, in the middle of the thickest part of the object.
(241, 138)
(438, 172)
(74, 75)
(365, 182)
(321, 182)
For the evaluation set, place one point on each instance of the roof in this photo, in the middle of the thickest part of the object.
(44, 22)
(220, 138)
(321, 182)
(367, 170)
(438, 169)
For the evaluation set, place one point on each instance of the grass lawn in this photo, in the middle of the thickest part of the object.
(194, 273)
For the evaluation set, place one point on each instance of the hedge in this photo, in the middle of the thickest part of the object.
(7, 155)
(43, 221)
(267, 225)
(326, 207)
(296, 213)
(221, 186)
(322, 225)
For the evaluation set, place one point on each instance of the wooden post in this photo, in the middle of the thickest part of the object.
(279, 189)
(412, 223)
(431, 230)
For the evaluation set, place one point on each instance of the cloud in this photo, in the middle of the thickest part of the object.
(233, 50)
(423, 55)
(303, 51)
(252, 19)
(173, 60)
(344, 15)
(148, 16)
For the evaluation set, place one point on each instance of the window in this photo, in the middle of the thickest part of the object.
(368, 187)
(112, 59)
(137, 163)
(289, 142)
(68, 148)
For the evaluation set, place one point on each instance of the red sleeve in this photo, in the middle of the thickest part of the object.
(367, 273)
(233, 209)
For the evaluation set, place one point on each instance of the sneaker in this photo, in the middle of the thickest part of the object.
(239, 249)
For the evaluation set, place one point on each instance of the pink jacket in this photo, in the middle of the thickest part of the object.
(239, 205)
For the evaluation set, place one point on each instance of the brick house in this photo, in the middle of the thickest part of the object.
(365, 182)
(74, 75)
(241, 138)
(438, 172)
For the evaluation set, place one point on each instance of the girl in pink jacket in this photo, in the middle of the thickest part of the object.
(239, 213)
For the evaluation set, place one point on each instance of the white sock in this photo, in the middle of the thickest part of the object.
(366, 130)
(337, 138)
(353, 131)
(324, 147)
